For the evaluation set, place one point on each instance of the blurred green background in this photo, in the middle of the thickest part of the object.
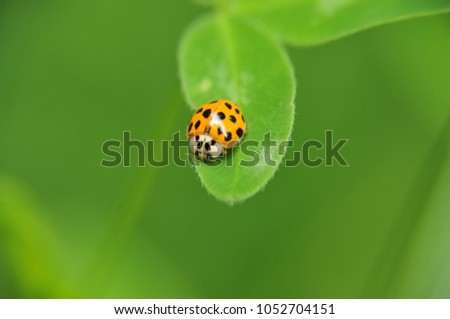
(74, 74)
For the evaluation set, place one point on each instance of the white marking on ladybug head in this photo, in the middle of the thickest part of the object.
(205, 147)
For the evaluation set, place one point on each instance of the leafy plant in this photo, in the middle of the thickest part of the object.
(236, 54)
(219, 61)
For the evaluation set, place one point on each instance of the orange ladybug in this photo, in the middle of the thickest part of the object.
(215, 127)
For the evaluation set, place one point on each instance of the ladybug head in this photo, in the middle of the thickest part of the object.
(205, 147)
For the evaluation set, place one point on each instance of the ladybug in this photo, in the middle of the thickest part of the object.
(214, 128)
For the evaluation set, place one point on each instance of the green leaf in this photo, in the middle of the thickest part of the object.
(224, 58)
(312, 22)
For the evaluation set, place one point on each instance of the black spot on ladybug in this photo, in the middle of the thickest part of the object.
(239, 132)
(197, 138)
(221, 115)
(200, 144)
(219, 131)
(228, 105)
(232, 119)
(206, 113)
(243, 118)
(212, 102)
(199, 110)
(237, 111)
(213, 142)
(190, 126)
(207, 146)
(197, 124)
(197, 153)
(228, 137)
